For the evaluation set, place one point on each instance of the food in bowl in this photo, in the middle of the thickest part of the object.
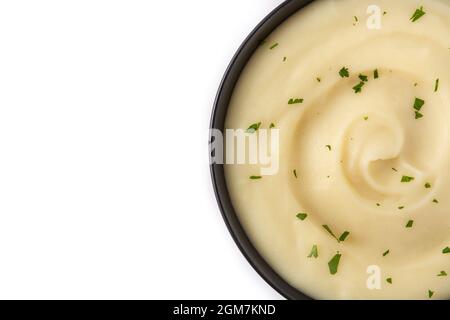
(358, 93)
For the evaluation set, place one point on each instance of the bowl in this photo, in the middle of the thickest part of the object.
(225, 92)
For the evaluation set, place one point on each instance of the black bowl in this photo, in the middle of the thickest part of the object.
(242, 56)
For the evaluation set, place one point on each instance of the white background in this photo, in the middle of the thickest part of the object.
(104, 180)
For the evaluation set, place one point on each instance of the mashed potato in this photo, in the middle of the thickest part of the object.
(360, 95)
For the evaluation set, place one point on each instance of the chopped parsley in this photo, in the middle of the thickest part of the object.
(366, 118)
(410, 224)
(389, 280)
(401, 208)
(363, 78)
(341, 238)
(356, 18)
(328, 147)
(272, 125)
(284, 59)
(333, 265)
(295, 101)
(430, 294)
(375, 74)
(302, 216)
(386, 253)
(442, 274)
(419, 13)
(395, 169)
(418, 104)
(330, 231)
(435, 201)
(427, 185)
(253, 128)
(295, 173)
(274, 46)
(446, 250)
(255, 177)
(344, 73)
(436, 86)
(407, 179)
(314, 252)
(378, 204)
(418, 115)
(358, 87)
(318, 79)
(344, 236)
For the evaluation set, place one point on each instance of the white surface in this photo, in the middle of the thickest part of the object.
(104, 183)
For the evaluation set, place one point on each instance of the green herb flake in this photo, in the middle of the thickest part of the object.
(435, 201)
(253, 128)
(255, 177)
(274, 46)
(344, 72)
(407, 179)
(442, 274)
(375, 74)
(378, 205)
(418, 104)
(295, 101)
(389, 280)
(436, 85)
(330, 231)
(318, 79)
(401, 208)
(446, 250)
(386, 253)
(356, 18)
(272, 125)
(395, 169)
(419, 13)
(366, 118)
(410, 224)
(328, 147)
(314, 252)
(427, 185)
(358, 87)
(333, 265)
(418, 115)
(295, 173)
(344, 236)
(363, 78)
(430, 294)
(302, 216)
(284, 59)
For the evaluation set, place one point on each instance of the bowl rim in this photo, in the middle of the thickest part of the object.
(221, 103)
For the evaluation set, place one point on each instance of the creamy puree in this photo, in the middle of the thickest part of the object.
(370, 159)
